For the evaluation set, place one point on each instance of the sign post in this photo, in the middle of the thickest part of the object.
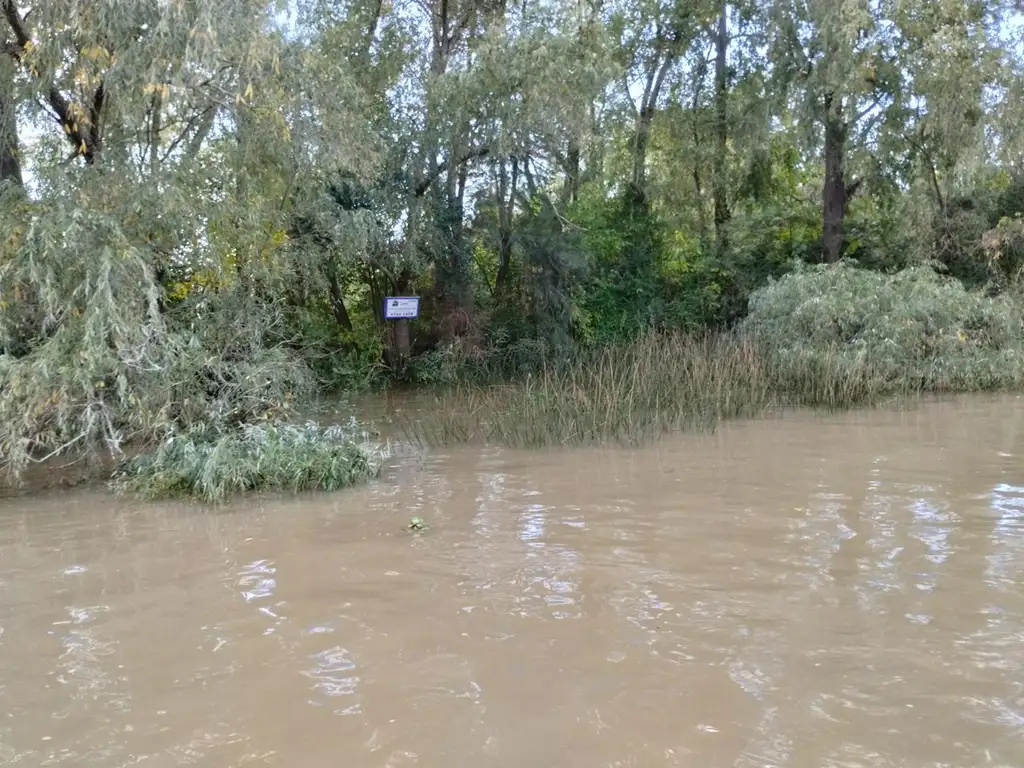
(401, 309)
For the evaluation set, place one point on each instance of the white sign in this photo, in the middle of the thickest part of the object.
(401, 307)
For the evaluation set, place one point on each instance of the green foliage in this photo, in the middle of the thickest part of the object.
(215, 204)
(210, 465)
(93, 358)
(553, 263)
(986, 213)
(695, 285)
(764, 241)
(340, 360)
(914, 329)
(625, 242)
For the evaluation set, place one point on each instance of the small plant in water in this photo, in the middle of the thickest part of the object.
(211, 464)
(416, 524)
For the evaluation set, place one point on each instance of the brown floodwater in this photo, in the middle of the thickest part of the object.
(802, 591)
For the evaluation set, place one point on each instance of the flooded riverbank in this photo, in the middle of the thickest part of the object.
(801, 591)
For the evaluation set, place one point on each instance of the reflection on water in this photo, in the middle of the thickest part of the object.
(809, 591)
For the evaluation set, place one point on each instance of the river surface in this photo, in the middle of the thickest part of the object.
(802, 591)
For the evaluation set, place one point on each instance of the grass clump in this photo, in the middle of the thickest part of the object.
(209, 466)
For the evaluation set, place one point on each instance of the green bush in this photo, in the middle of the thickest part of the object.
(101, 349)
(911, 330)
(210, 466)
(625, 240)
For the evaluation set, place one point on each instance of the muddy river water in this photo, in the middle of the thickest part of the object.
(811, 590)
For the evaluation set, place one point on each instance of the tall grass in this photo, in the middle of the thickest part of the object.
(209, 466)
(632, 393)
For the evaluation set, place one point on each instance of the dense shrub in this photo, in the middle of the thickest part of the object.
(210, 466)
(96, 353)
(913, 329)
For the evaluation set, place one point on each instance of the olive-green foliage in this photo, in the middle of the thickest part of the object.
(93, 357)
(209, 465)
(914, 329)
(340, 360)
(959, 231)
(764, 240)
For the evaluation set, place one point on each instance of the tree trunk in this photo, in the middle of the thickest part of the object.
(401, 344)
(698, 191)
(721, 191)
(338, 308)
(571, 188)
(641, 140)
(655, 81)
(10, 163)
(82, 124)
(696, 130)
(10, 167)
(399, 336)
(834, 194)
(506, 210)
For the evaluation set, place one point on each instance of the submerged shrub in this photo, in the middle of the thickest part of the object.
(210, 466)
(906, 331)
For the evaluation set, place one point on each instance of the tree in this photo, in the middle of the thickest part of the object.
(138, 280)
(721, 179)
(838, 60)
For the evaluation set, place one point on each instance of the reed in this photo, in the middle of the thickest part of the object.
(632, 393)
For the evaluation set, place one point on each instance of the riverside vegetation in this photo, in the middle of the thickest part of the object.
(622, 218)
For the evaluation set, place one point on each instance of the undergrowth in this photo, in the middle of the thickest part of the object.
(210, 466)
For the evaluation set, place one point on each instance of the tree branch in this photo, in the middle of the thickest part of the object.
(421, 189)
(21, 38)
(85, 139)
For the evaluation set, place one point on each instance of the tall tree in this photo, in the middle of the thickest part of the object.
(836, 57)
(652, 36)
(721, 181)
(136, 249)
(949, 55)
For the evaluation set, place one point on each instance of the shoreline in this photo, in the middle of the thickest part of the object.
(93, 471)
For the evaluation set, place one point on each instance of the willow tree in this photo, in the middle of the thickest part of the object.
(130, 263)
(835, 64)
